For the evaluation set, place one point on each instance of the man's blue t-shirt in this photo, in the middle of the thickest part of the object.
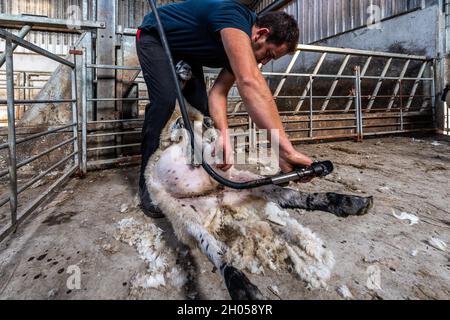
(193, 28)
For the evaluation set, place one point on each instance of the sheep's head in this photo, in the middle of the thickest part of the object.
(175, 132)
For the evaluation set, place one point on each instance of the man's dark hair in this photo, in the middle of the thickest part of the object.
(283, 28)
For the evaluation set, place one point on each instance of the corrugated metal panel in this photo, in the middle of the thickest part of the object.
(132, 12)
(58, 43)
(319, 19)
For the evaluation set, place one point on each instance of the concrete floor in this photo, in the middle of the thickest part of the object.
(79, 228)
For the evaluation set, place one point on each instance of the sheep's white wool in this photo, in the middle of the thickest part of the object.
(275, 215)
(147, 239)
(344, 292)
(176, 277)
(146, 281)
(406, 216)
(437, 243)
(254, 235)
(241, 221)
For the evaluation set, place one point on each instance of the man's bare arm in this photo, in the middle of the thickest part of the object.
(217, 101)
(257, 95)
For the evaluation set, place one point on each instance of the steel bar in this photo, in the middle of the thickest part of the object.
(249, 133)
(120, 99)
(9, 21)
(397, 78)
(22, 34)
(321, 129)
(354, 127)
(347, 119)
(335, 82)
(294, 140)
(359, 117)
(39, 177)
(311, 123)
(275, 5)
(38, 101)
(343, 136)
(398, 84)
(106, 66)
(315, 72)
(114, 121)
(288, 70)
(74, 90)
(433, 98)
(37, 135)
(415, 86)
(113, 134)
(99, 164)
(293, 113)
(84, 113)
(395, 124)
(11, 132)
(363, 73)
(306, 75)
(314, 97)
(378, 86)
(36, 203)
(402, 121)
(24, 87)
(114, 147)
(28, 45)
(354, 52)
(38, 156)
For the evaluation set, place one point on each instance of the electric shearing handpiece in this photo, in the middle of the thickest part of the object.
(317, 169)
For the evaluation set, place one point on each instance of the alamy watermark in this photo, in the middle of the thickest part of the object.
(245, 147)
(74, 15)
(74, 280)
(373, 278)
(374, 20)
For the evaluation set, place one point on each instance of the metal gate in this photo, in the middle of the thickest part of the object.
(19, 211)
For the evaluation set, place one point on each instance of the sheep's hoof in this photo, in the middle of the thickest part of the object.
(239, 287)
(148, 207)
(346, 205)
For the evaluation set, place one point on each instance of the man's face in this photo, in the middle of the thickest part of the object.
(265, 51)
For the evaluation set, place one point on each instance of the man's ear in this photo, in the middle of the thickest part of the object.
(261, 32)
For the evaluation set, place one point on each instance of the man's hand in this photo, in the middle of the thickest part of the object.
(292, 159)
(223, 146)
(288, 161)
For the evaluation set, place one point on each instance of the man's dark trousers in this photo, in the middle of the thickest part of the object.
(162, 94)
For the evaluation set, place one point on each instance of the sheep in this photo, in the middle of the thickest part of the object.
(242, 229)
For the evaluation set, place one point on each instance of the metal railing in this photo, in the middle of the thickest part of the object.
(446, 119)
(93, 157)
(13, 142)
(26, 85)
(367, 97)
(373, 104)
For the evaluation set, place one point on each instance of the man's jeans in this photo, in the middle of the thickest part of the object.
(162, 93)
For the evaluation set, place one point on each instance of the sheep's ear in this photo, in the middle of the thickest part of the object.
(176, 130)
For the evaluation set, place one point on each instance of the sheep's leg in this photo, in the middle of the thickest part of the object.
(339, 204)
(238, 285)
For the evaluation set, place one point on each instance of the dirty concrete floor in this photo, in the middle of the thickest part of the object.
(403, 174)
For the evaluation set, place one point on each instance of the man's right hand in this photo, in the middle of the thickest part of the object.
(291, 159)
(224, 145)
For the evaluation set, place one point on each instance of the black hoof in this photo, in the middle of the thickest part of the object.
(346, 205)
(147, 206)
(239, 287)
